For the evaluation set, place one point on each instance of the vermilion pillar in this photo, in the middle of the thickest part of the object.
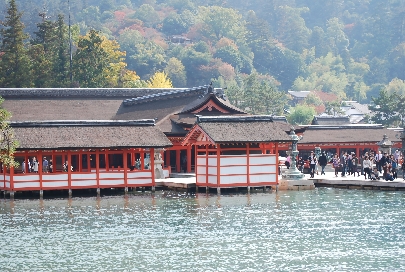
(189, 159)
(178, 165)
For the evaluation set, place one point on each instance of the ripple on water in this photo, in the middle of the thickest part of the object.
(323, 229)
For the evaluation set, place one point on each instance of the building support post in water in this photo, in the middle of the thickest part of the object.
(70, 192)
(196, 189)
(248, 188)
(41, 193)
(11, 194)
(126, 190)
(153, 188)
(218, 190)
(98, 191)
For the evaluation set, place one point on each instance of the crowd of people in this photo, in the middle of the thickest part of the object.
(32, 166)
(373, 165)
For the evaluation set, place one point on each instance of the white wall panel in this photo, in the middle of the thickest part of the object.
(212, 170)
(26, 184)
(201, 170)
(83, 176)
(55, 184)
(233, 179)
(7, 184)
(140, 174)
(233, 160)
(212, 161)
(263, 178)
(112, 182)
(212, 180)
(201, 160)
(262, 159)
(233, 170)
(111, 175)
(201, 178)
(262, 169)
(56, 177)
(24, 177)
(84, 182)
(139, 181)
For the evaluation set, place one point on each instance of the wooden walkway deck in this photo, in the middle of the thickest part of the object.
(187, 181)
(355, 182)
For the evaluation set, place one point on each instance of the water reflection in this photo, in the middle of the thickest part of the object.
(325, 229)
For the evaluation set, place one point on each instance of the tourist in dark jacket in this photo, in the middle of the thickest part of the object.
(323, 161)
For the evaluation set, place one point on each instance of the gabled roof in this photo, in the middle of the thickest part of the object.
(63, 134)
(299, 94)
(236, 129)
(209, 102)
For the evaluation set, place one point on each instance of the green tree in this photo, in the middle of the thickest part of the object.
(14, 61)
(97, 61)
(176, 72)
(8, 144)
(292, 30)
(218, 22)
(301, 114)
(388, 109)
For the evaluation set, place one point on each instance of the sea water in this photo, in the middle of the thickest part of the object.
(318, 230)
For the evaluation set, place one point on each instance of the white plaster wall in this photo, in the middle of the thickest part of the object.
(112, 182)
(263, 178)
(138, 181)
(111, 175)
(201, 178)
(140, 174)
(233, 179)
(54, 177)
(26, 185)
(262, 169)
(24, 178)
(84, 182)
(83, 176)
(201, 170)
(233, 160)
(233, 170)
(54, 184)
(258, 159)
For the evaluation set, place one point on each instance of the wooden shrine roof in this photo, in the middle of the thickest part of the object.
(98, 104)
(239, 129)
(347, 134)
(89, 134)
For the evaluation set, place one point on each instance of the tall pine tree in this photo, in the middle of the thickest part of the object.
(14, 61)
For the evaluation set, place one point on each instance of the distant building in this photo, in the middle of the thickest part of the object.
(178, 39)
(298, 96)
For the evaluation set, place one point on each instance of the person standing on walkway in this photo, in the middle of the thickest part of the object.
(377, 160)
(323, 161)
(336, 163)
(35, 165)
(312, 164)
(343, 164)
(355, 162)
(45, 165)
(367, 166)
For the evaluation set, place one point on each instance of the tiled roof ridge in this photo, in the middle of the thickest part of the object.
(348, 126)
(249, 118)
(165, 95)
(80, 92)
(82, 123)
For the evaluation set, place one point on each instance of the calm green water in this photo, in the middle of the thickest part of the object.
(319, 230)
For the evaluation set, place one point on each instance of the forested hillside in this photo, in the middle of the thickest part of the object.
(256, 48)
